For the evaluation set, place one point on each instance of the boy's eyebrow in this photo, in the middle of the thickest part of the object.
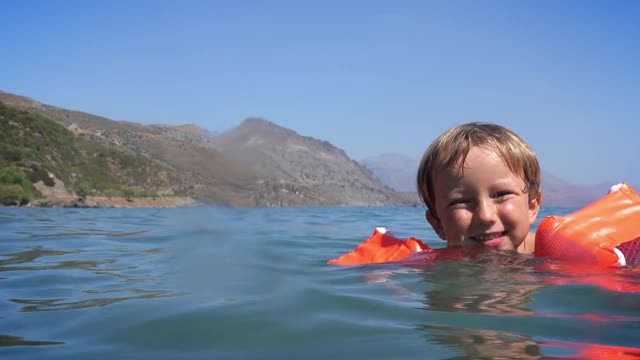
(505, 182)
(456, 190)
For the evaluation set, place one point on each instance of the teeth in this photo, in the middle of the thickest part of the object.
(485, 237)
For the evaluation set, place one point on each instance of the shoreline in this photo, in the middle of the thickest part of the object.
(113, 202)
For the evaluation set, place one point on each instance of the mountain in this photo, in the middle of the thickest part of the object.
(258, 163)
(300, 168)
(558, 192)
(395, 170)
(398, 171)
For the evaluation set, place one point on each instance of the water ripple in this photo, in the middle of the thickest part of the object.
(61, 304)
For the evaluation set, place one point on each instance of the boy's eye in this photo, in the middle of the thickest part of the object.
(458, 202)
(502, 195)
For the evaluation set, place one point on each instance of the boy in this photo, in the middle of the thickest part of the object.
(481, 186)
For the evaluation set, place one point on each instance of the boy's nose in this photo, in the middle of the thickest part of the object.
(486, 211)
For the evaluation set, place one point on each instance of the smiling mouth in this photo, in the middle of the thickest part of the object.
(490, 239)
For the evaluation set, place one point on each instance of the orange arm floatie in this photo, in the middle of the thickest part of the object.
(381, 247)
(606, 232)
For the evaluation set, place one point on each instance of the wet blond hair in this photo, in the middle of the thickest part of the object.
(451, 148)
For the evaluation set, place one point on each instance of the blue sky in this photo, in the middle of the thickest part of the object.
(368, 76)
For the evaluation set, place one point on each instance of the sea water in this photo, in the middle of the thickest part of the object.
(211, 283)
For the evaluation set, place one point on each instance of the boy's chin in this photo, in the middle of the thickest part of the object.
(500, 244)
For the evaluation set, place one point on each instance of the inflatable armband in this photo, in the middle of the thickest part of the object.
(381, 247)
(606, 232)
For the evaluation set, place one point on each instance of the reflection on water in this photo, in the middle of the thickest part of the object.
(577, 350)
(80, 232)
(489, 344)
(8, 340)
(27, 256)
(617, 279)
(61, 304)
(483, 344)
(498, 300)
(491, 283)
(96, 266)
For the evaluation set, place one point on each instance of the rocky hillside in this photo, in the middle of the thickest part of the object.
(257, 163)
(301, 169)
(48, 155)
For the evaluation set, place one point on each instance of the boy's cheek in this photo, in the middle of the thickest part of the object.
(455, 229)
(460, 219)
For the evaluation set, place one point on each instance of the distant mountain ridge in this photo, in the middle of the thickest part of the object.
(258, 163)
(398, 171)
(558, 192)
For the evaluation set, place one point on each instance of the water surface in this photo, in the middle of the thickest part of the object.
(253, 283)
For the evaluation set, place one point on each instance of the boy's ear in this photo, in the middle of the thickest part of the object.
(435, 223)
(534, 207)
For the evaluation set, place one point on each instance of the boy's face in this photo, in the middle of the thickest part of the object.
(483, 206)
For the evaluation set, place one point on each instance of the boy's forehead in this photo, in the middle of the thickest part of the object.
(483, 161)
(461, 160)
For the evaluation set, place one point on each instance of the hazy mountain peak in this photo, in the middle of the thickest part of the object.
(259, 127)
(257, 121)
(398, 171)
